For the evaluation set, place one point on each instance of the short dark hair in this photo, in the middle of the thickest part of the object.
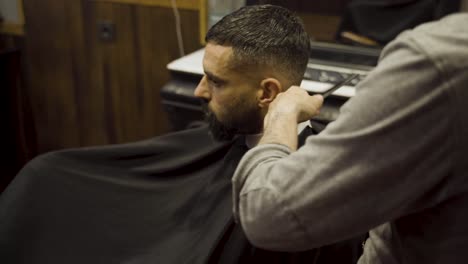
(265, 35)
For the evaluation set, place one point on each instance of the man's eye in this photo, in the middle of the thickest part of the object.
(214, 83)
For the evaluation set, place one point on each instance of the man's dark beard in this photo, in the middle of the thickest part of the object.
(218, 130)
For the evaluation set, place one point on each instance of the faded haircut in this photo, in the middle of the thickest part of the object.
(265, 36)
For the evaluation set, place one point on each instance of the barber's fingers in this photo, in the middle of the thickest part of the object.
(306, 106)
(296, 101)
(316, 101)
(314, 105)
(310, 107)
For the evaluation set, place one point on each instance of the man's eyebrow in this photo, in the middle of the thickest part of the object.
(213, 77)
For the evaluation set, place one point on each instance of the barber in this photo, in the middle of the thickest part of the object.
(394, 162)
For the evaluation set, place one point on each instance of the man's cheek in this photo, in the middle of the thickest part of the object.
(217, 110)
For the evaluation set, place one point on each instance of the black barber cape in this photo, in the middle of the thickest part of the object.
(163, 200)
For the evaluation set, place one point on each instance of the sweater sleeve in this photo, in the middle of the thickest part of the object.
(387, 155)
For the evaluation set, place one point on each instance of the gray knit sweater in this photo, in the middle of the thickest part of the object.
(395, 162)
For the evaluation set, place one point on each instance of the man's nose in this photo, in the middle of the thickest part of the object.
(202, 90)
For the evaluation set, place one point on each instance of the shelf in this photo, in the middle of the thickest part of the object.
(12, 29)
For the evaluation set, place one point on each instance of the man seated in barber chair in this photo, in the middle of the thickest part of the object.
(167, 199)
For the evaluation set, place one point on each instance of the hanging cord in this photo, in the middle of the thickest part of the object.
(180, 41)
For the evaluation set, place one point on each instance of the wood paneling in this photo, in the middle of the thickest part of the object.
(126, 73)
(199, 6)
(86, 91)
(50, 72)
(79, 74)
(181, 4)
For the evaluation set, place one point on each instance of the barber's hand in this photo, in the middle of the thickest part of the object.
(295, 103)
(285, 112)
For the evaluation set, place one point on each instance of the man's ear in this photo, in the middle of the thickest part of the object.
(269, 89)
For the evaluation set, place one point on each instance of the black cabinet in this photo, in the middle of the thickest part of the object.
(17, 135)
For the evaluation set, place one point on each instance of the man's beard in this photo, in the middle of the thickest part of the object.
(225, 132)
(218, 130)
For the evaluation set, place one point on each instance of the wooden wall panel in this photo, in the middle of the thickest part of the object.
(51, 88)
(106, 78)
(79, 73)
(128, 72)
(157, 47)
(85, 91)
